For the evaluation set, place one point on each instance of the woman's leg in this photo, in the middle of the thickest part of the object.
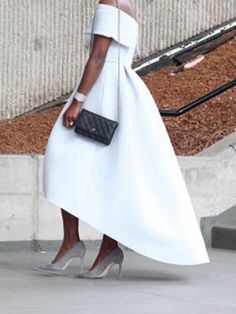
(71, 234)
(108, 244)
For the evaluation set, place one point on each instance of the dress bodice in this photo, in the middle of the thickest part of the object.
(105, 22)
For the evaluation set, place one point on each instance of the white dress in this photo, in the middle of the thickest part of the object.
(132, 190)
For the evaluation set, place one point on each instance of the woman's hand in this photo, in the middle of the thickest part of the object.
(71, 114)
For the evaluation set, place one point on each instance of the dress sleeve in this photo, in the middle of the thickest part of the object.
(106, 24)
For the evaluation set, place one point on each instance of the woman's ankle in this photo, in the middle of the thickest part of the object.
(108, 247)
(69, 243)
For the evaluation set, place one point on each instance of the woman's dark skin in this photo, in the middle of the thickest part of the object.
(92, 70)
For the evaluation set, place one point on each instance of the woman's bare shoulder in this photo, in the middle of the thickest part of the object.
(124, 5)
(111, 2)
(106, 1)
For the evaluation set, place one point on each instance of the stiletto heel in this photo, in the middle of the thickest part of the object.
(119, 272)
(82, 264)
(101, 270)
(77, 251)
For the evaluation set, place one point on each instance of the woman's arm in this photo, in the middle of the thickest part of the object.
(91, 72)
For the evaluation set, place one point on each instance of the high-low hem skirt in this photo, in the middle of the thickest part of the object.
(132, 190)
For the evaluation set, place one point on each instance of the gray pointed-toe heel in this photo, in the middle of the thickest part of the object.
(101, 270)
(77, 251)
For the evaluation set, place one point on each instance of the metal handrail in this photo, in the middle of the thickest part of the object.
(199, 101)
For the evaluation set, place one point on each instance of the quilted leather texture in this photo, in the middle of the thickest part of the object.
(95, 126)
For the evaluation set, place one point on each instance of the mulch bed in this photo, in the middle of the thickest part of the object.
(189, 134)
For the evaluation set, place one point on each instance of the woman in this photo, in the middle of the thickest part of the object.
(132, 190)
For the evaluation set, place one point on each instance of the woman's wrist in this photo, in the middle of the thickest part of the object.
(80, 97)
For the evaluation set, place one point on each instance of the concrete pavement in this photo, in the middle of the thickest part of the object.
(146, 287)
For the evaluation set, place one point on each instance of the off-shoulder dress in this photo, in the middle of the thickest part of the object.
(133, 190)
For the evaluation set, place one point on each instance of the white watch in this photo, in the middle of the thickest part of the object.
(80, 97)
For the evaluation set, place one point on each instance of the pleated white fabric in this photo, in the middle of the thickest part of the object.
(132, 190)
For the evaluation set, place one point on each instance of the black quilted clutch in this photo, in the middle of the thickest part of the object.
(95, 126)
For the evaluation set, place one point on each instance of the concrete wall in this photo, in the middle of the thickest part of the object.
(25, 215)
(42, 51)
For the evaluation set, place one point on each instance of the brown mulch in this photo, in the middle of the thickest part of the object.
(211, 121)
(190, 133)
